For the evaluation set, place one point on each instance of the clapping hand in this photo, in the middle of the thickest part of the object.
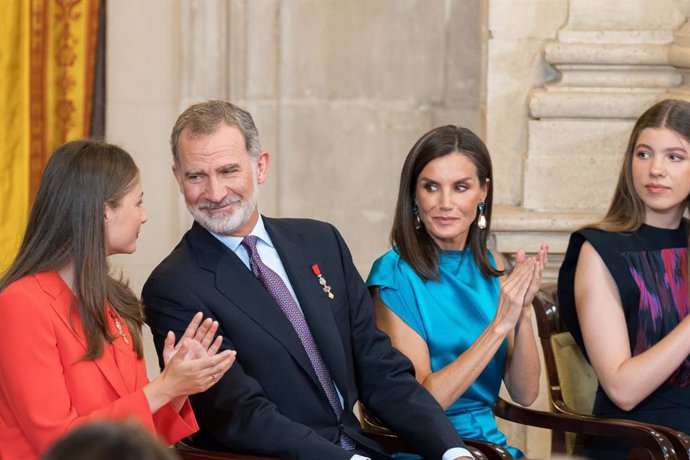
(192, 365)
(200, 335)
(511, 299)
(535, 283)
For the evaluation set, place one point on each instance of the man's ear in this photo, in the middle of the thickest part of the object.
(178, 176)
(262, 166)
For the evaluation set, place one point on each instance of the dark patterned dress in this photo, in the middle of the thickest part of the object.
(649, 267)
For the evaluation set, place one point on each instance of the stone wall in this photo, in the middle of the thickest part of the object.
(340, 91)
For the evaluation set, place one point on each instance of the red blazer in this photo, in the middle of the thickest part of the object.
(46, 390)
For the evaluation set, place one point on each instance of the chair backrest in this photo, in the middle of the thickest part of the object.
(572, 381)
(578, 383)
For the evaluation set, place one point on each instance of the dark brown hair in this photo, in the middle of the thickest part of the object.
(417, 247)
(66, 226)
(109, 440)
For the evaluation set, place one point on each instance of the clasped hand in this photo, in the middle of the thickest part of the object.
(519, 288)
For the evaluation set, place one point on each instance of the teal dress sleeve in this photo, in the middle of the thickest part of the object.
(449, 314)
(390, 274)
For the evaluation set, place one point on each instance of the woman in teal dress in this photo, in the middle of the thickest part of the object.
(443, 297)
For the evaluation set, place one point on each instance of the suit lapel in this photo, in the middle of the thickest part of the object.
(53, 285)
(236, 282)
(297, 258)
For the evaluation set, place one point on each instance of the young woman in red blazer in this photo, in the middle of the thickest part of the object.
(70, 333)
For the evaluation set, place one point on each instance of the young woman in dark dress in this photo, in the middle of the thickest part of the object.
(623, 286)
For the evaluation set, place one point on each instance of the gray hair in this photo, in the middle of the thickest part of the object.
(203, 119)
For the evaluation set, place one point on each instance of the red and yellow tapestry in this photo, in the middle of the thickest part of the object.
(47, 64)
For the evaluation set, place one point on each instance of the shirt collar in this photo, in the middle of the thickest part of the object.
(259, 230)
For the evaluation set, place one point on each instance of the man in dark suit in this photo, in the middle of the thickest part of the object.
(290, 301)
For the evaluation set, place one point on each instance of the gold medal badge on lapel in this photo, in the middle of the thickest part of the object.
(322, 281)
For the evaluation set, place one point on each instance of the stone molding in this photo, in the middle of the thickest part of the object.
(608, 71)
(515, 228)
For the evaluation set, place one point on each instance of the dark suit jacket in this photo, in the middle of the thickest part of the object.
(270, 401)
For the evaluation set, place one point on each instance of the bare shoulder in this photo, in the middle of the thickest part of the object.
(590, 264)
(594, 284)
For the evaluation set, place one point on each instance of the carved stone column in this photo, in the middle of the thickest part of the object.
(215, 45)
(613, 60)
(204, 50)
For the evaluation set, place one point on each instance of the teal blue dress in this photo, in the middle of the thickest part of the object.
(450, 314)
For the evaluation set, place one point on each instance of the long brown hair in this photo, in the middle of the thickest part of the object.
(66, 225)
(626, 212)
(417, 247)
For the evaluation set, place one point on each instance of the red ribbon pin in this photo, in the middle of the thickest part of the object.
(322, 281)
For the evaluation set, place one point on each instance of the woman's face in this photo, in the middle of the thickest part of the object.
(447, 194)
(661, 175)
(122, 223)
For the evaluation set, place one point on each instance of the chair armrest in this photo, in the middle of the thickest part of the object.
(490, 450)
(479, 454)
(643, 435)
(679, 440)
(480, 450)
(375, 429)
(187, 452)
(388, 441)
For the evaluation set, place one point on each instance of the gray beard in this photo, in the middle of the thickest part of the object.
(227, 222)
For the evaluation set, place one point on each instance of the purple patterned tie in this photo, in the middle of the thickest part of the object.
(276, 287)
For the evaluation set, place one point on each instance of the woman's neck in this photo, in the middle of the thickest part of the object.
(67, 275)
(669, 220)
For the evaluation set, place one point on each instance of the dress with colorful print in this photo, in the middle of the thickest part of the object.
(649, 267)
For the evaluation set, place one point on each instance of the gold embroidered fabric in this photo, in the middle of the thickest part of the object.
(47, 63)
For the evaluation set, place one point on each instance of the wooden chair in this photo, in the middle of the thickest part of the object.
(651, 443)
(374, 428)
(384, 437)
(572, 387)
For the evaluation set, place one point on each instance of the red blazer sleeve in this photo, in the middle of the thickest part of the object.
(166, 422)
(173, 426)
(43, 398)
